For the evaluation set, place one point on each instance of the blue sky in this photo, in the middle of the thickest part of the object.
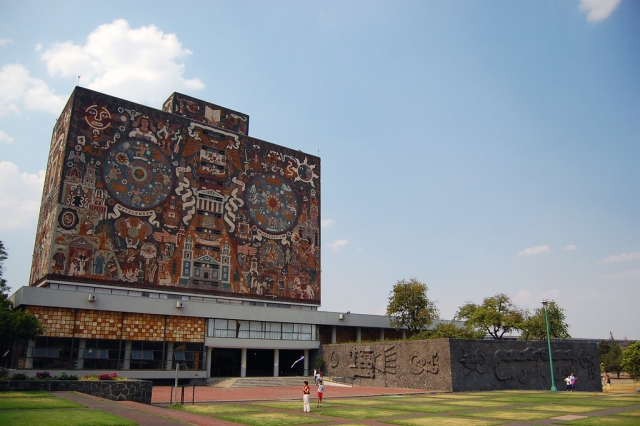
(481, 147)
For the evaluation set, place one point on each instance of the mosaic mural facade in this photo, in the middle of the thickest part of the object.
(145, 198)
(464, 365)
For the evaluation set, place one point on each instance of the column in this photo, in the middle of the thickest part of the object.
(306, 363)
(208, 361)
(127, 355)
(381, 334)
(82, 344)
(169, 360)
(333, 334)
(28, 363)
(358, 334)
(404, 334)
(276, 361)
(243, 362)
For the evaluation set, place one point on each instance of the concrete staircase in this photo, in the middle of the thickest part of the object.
(256, 382)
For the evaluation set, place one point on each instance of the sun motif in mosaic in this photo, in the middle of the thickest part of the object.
(138, 174)
(271, 255)
(272, 204)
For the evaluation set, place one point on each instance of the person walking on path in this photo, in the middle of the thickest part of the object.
(320, 391)
(607, 380)
(568, 382)
(305, 397)
(573, 382)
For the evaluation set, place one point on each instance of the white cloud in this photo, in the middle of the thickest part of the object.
(534, 250)
(522, 296)
(325, 223)
(18, 89)
(134, 63)
(633, 274)
(550, 294)
(571, 247)
(338, 245)
(5, 137)
(20, 195)
(623, 257)
(598, 9)
(4, 42)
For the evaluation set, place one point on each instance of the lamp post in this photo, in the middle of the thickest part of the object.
(546, 320)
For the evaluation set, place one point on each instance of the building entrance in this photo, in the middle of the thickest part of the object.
(259, 362)
(287, 358)
(225, 362)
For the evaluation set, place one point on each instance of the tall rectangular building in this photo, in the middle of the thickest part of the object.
(179, 199)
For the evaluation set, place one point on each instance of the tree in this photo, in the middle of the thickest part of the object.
(631, 361)
(410, 307)
(496, 316)
(534, 326)
(15, 324)
(448, 330)
(612, 359)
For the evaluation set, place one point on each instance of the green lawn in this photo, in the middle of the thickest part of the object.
(215, 410)
(42, 408)
(42, 402)
(358, 413)
(26, 394)
(271, 419)
(62, 418)
(444, 421)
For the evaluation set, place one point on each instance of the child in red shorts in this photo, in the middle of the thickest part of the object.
(320, 391)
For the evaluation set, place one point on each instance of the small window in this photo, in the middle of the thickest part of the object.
(143, 355)
(96, 354)
(46, 352)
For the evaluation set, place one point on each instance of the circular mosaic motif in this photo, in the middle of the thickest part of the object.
(68, 219)
(272, 203)
(305, 173)
(138, 174)
(271, 255)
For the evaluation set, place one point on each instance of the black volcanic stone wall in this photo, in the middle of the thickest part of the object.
(490, 364)
(129, 390)
(464, 365)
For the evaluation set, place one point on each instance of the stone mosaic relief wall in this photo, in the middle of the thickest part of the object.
(418, 365)
(143, 198)
(464, 365)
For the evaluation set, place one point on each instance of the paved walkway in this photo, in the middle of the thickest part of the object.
(156, 415)
(162, 394)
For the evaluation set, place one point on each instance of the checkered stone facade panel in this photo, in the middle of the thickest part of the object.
(185, 329)
(147, 327)
(58, 322)
(98, 324)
